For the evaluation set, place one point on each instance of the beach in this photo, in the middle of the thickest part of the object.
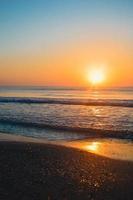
(60, 144)
(66, 100)
(33, 170)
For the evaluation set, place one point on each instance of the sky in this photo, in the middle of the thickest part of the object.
(57, 42)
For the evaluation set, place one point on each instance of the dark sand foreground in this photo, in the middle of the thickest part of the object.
(31, 171)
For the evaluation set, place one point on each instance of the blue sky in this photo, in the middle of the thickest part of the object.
(33, 22)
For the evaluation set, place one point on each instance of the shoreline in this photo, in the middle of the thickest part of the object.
(109, 148)
(19, 138)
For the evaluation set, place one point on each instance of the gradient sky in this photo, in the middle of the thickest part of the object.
(56, 42)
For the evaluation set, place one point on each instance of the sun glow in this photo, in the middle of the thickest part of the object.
(96, 76)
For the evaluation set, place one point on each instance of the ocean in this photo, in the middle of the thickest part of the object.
(58, 113)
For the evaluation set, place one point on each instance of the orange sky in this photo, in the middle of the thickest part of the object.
(47, 44)
(69, 65)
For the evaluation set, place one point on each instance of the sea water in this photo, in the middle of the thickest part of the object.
(59, 113)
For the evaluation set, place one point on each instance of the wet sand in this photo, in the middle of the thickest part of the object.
(35, 171)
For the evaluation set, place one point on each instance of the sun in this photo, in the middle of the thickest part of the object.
(96, 76)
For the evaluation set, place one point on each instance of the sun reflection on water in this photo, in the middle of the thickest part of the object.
(94, 146)
(115, 149)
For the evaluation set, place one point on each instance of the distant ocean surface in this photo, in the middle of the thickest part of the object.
(55, 113)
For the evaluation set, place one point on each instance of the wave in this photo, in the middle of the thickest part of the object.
(87, 132)
(85, 102)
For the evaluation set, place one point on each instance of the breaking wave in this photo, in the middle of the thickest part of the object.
(85, 102)
(81, 131)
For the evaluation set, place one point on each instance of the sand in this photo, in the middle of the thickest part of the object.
(35, 171)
